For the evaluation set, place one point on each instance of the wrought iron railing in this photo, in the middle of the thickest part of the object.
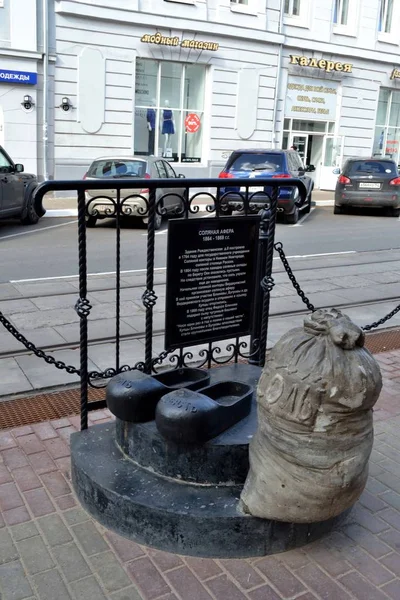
(151, 206)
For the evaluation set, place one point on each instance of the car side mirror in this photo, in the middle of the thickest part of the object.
(310, 168)
(19, 168)
(181, 176)
(336, 171)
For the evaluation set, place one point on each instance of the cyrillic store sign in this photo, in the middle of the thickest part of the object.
(163, 40)
(395, 74)
(324, 65)
(18, 77)
(314, 99)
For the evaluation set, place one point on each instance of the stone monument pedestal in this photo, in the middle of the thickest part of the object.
(182, 499)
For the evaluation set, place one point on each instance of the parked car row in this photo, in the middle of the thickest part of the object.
(16, 191)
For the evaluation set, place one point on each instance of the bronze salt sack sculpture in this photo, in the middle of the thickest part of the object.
(309, 456)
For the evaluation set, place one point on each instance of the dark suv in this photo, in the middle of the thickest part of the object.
(16, 190)
(368, 182)
(262, 164)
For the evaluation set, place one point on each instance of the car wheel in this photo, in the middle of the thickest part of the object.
(307, 207)
(157, 221)
(338, 210)
(294, 217)
(91, 221)
(226, 210)
(31, 217)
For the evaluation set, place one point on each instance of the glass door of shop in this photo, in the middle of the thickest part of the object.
(300, 143)
(332, 157)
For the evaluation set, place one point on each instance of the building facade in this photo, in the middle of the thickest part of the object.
(193, 80)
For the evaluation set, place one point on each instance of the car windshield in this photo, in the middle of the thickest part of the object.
(117, 168)
(371, 167)
(263, 161)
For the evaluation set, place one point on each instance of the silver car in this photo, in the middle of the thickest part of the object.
(99, 203)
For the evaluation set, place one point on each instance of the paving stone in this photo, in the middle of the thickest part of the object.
(57, 448)
(24, 531)
(365, 518)
(7, 440)
(8, 551)
(50, 586)
(321, 584)
(367, 566)
(14, 458)
(294, 559)
(42, 463)
(110, 571)
(265, 593)
(392, 538)
(149, 580)
(71, 561)
(392, 498)
(30, 444)
(89, 538)
(131, 593)
(165, 561)
(204, 568)
(13, 582)
(9, 496)
(87, 588)
(392, 562)
(243, 573)
(16, 515)
(125, 549)
(34, 555)
(372, 502)
(361, 588)
(392, 517)
(26, 478)
(55, 483)
(23, 430)
(66, 502)
(5, 475)
(54, 530)
(327, 558)
(222, 587)
(39, 502)
(286, 583)
(44, 431)
(367, 540)
(13, 379)
(392, 589)
(75, 516)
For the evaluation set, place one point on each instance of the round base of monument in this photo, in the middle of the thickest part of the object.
(171, 515)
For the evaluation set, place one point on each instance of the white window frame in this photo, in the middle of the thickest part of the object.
(182, 1)
(247, 9)
(301, 20)
(350, 28)
(392, 37)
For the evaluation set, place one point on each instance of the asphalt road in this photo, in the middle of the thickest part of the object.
(50, 248)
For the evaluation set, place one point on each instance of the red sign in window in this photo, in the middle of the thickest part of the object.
(192, 123)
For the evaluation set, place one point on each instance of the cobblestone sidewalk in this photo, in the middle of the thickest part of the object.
(50, 549)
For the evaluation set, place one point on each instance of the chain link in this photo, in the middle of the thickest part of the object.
(59, 364)
(279, 248)
(383, 320)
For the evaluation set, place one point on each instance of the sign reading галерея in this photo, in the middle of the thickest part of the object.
(313, 98)
(323, 64)
(164, 40)
(210, 279)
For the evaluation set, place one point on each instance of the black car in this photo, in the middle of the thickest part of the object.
(372, 182)
(265, 164)
(16, 191)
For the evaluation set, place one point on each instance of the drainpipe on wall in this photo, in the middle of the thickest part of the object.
(278, 76)
(45, 38)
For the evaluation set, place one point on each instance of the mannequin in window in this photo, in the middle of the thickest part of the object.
(168, 125)
(151, 126)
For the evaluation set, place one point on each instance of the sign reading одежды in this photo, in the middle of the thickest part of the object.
(314, 98)
(24, 77)
(164, 40)
(210, 279)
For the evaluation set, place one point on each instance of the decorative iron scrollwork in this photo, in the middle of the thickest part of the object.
(149, 298)
(83, 307)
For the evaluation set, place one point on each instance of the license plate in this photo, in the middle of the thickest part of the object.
(252, 189)
(103, 208)
(370, 186)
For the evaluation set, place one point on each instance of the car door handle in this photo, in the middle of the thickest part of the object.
(5, 179)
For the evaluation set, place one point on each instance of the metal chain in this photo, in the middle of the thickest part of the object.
(59, 364)
(383, 320)
(279, 248)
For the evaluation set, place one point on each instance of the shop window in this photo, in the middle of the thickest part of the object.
(297, 12)
(341, 12)
(169, 110)
(387, 127)
(243, 2)
(345, 17)
(385, 16)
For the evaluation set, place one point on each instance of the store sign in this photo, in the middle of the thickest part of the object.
(324, 65)
(392, 146)
(395, 74)
(311, 99)
(162, 40)
(192, 123)
(18, 77)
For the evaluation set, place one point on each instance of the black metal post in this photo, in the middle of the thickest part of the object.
(83, 308)
(267, 282)
(118, 281)
(261, 267)
(149, 298)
